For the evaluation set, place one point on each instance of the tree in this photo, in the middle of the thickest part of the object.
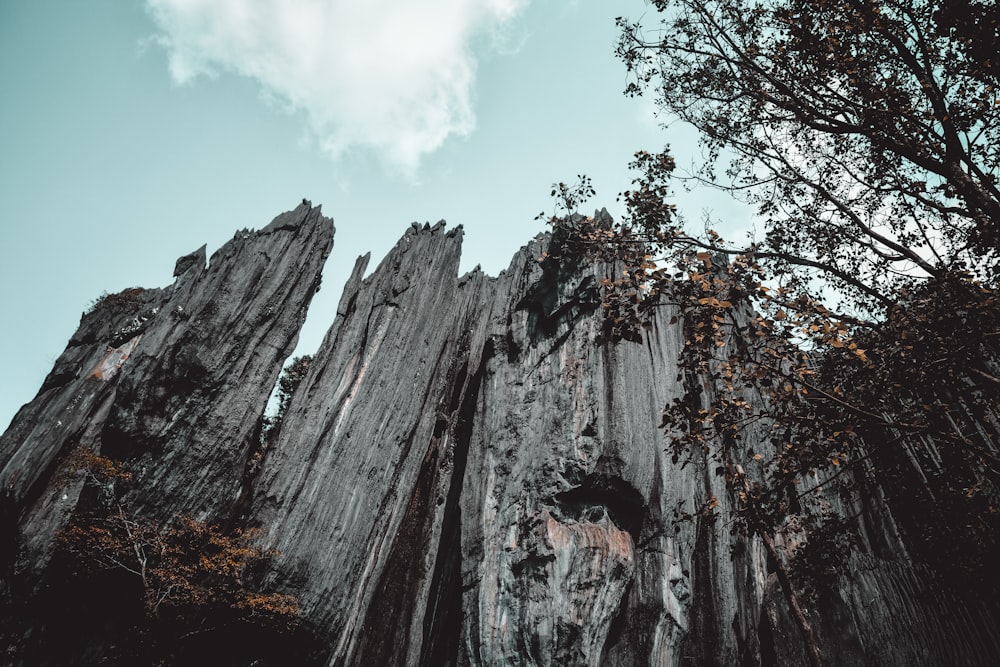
(189, 578)
(291, 377)
(854, 345)
(188, 567)
(867, 132)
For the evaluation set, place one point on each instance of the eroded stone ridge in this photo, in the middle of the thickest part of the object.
(465, 476)
(172, 381)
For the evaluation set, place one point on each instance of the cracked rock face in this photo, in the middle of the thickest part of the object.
(465, 476)
(172, 381)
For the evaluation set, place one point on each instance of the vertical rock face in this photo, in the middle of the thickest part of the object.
(349, 495)
(198, 384)
(563, 458)
(465, 476)
(172, 381)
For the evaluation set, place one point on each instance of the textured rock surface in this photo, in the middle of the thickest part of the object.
(173, 381)
(464, 476)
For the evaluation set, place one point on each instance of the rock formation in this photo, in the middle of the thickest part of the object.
(465, 475)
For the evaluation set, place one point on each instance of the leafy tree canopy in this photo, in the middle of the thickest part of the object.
(850, 350)
(866, 132)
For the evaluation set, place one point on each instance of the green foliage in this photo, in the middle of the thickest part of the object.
(851, 351)
(569, 198)
(290, 379)
(185, 564)
(186, 578)
(867, 133)
(187, 569)
(933, 374)
(816, 565)
(126, 300)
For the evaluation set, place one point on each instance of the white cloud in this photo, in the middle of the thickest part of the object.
(394, 76)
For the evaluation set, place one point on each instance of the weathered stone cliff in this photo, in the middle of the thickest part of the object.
(465, 476)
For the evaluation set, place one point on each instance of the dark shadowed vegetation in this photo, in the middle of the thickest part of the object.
(852, 341)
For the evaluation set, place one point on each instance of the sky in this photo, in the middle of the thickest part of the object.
(134, 131)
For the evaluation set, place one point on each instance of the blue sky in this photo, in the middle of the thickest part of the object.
(132, 132)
